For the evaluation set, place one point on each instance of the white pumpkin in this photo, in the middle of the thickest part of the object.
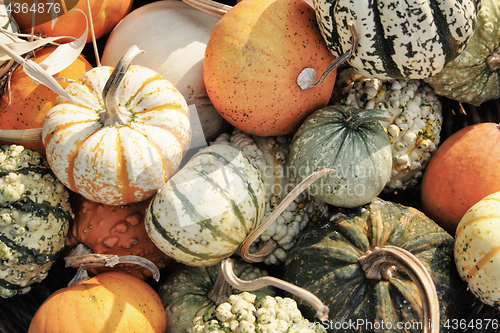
(477, 249)
(174, 36)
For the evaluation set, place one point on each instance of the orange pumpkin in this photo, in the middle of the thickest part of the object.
(109, 302)
(253, 59)
(69, 22)
(463, 170)
(118, 230)
(27, 103)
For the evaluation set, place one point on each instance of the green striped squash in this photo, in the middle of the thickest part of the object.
(34, 219)
(413, 39)
(204, 212)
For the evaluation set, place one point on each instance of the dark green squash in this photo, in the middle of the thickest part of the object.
(196, 291)
(474, 76)
(337, 277)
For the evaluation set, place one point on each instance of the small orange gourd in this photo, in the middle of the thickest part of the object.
(109, 302)
(253, 59)
(24, 103)
(463, 170)
(118, 230)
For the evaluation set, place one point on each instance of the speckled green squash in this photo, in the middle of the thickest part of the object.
(185, 293)
(34, 219)
(413, 39)
(477, 249)
(350, 141)
(474, 76)
(337, 278)
(205, 211)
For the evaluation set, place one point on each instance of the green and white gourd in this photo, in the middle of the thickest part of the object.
(415, 120)
(247, 312)
(34, 219)
(474, 76)
(206, 210)
(413, 39)
(271, 156)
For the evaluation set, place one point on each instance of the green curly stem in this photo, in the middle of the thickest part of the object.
(227, 269)
(493, 60)
(381, 262)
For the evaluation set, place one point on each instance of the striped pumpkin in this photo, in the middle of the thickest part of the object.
(412, 39)
(477, 248)
(205, 211)
(123, 153)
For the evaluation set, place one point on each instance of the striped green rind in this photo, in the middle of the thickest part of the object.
(205, 211)
(336, 277)
(413, 39)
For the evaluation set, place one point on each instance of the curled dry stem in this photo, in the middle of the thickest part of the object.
(307, 77)
(227, 269)
(381, 262)
(82, 258)
(210, 7)
(263, 252)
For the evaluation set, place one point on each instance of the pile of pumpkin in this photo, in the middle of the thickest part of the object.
(263, 146)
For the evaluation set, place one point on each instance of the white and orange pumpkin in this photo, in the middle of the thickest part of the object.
(120, 138)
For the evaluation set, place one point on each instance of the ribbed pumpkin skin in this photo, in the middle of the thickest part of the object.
(361, 157)
(118, 164)
(252, 61)
(184, 292)
(205, 211)
(411, 39)
(469, 78)
(110, 302)
(477, 244)
(338, 279)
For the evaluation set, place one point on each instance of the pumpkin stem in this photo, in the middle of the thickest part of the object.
(493, 60)
(83, 258)
(263, 252)
(221, 290)
(381, 262)
(227, 269)
(113, 114)
(210, 7)
(307, 77)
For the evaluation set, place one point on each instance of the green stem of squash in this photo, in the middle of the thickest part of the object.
(493, 60)
(113, 114)
(381, 262)
(83, 258)
(269, 246)
(227, 269)
(362, 117)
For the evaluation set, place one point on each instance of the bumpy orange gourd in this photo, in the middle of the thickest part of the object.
(26, 104)
(252, 61)
(464, 170)
(118, 230)
(70, 22)
(110, 302)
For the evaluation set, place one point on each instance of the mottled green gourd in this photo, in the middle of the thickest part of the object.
(192, 292)
(341, 246)
(474, 76)
(350, 141)
(34, 219)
